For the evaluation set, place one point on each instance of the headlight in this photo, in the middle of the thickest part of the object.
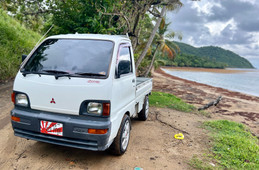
(95, 108)
(21, 100)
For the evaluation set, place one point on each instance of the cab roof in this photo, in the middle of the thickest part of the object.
(92, 36)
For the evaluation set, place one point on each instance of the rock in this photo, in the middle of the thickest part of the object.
(152, 158)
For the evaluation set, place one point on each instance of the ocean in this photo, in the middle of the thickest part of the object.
(244, 82)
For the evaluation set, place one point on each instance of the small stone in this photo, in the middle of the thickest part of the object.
(152, 158)
(24, 156)
(179, 162)
(212, 164)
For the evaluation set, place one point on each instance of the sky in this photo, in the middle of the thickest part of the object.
(230, 24)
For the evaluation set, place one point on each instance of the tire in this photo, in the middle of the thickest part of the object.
(121, 141)
(143, 114)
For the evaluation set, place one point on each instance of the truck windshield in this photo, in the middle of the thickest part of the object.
(71, 56)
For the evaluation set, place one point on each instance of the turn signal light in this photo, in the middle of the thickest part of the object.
(16, 119)
(106, 109)
(13, 98)
(97, 131)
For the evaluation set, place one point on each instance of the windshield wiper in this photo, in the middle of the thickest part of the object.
(59, 73)
(24, 73)
(89, 74)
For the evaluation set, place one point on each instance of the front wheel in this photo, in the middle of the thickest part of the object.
(120, 143)
(143, 114)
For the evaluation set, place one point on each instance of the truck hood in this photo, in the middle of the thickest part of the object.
(63, 95)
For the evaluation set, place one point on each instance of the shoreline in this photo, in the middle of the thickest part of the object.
(211, 70)
(218, 89)
(234, 106)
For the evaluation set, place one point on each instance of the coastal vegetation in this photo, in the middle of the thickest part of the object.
(187, 60)
(214, 57)
(233, 147)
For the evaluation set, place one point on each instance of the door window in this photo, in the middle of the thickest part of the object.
(124, 62)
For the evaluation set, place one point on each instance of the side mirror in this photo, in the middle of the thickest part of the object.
(123, 67)
(23, 57)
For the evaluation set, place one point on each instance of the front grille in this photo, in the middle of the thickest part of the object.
(70, 142)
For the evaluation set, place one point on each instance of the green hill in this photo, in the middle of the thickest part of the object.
(215, 54)
(15, 40)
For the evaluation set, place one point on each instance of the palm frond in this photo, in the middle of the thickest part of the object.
(172, 5)
(173, 45)
(170, 51)
(170, 35)
(162, 24)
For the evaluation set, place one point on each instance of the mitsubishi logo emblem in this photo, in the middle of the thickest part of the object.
(53, 101)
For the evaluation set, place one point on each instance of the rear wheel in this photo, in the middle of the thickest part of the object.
(143, 114)
(120, 143)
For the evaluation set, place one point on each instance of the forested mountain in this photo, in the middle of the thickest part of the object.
(214, 54)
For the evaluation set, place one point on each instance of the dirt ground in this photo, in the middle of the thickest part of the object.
(152, 144)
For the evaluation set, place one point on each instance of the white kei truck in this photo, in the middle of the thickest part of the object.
(80, 90)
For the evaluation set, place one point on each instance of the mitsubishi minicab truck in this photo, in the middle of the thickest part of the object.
(80, 90)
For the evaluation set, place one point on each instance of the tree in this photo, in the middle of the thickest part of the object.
(164, 45)
(170, 5)
(33, 14)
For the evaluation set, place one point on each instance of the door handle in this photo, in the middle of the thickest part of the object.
(133, 80)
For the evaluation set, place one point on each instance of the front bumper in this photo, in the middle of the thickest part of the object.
(75, 129)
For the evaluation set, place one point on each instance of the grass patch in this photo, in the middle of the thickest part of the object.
(160, 99)
(196, 163)
(234, 147)
(15, 40)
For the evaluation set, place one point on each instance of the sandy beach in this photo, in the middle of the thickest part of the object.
(234, 106)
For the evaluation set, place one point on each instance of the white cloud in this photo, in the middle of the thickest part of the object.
(249, 1)
(255, 36)
(217, 27)
(204, 7)
(231, 24)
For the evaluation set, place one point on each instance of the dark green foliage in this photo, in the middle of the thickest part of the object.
(15, 40)
(83, 17)
(215, 55)
(185, 60)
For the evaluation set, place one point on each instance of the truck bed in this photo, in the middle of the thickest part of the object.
(143, 86)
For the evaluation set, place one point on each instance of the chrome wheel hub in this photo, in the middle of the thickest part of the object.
(125, 135)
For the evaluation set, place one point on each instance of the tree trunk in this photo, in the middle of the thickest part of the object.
(150, 40)
(152, 62)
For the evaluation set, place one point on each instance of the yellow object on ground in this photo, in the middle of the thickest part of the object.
(179, 136)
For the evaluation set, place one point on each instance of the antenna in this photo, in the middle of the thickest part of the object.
(45, 34)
